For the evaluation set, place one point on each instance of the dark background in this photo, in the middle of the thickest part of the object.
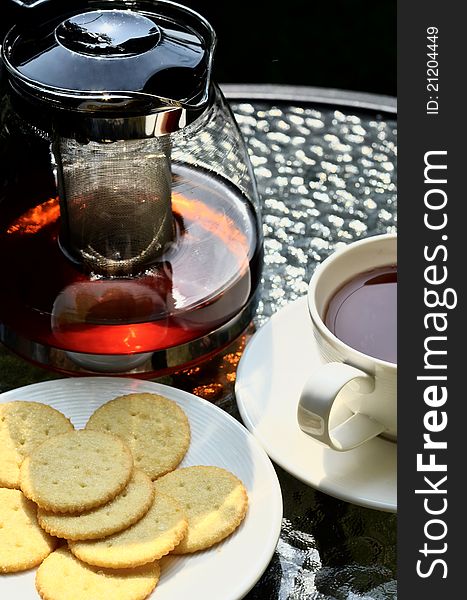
(347, 44)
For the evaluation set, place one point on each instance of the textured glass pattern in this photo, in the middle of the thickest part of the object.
(326, 178)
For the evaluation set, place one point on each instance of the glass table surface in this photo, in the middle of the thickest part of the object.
(325, 163)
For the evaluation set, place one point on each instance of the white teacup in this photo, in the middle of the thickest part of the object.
(352, 398)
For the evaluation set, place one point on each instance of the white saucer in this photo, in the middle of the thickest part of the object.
(270, 376)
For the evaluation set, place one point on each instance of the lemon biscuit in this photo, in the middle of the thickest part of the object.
(121, 512)
(214, 500)
(63, 577)
(154, 536)
(155, 428)
(76, 471)
(23, 426)
(23, 544)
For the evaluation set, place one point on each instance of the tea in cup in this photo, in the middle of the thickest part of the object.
(352, 301)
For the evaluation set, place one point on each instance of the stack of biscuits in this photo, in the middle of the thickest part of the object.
(97, 508)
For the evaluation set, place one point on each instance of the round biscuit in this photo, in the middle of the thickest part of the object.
(154, 536)
(124, 510)
(23, 427)
(76, 471)
(155, 428)
(214, 500)
(63, 577)
(23, 544)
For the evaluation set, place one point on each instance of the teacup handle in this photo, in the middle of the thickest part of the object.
(316, 402)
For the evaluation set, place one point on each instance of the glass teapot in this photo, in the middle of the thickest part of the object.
(130, 238)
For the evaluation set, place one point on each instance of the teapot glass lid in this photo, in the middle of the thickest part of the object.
(153, 49)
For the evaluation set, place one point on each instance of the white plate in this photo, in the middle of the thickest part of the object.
(270, 377)
(228, 570)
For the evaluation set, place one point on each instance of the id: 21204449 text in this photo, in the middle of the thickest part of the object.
(432, 71)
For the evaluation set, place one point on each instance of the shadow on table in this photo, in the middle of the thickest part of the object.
(329, 550)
